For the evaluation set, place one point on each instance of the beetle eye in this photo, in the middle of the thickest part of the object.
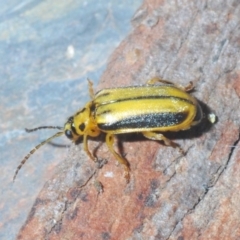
(69, 134)
(82, 127)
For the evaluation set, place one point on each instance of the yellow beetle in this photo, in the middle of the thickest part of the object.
(150, 109)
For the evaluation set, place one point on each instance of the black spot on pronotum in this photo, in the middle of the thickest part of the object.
(82, 126)
(92, 108)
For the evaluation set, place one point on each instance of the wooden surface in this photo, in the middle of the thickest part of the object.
(169, 196)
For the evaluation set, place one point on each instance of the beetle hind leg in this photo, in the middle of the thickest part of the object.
(124, 162)
(187, 88)
(161, 137)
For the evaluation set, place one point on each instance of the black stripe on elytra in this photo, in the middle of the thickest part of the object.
(152, 120)
(77, 113)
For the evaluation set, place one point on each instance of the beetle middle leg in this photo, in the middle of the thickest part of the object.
(155, 80)
(161, 137)
(110, 142)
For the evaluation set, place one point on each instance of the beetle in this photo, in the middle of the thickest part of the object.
(154, 108)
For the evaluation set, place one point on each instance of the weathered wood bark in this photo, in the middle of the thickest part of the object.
(169, 196)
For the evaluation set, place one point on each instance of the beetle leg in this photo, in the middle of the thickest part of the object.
(155, 80)
(161, 137)
(90, 89)
(85, 147)
(110, 142)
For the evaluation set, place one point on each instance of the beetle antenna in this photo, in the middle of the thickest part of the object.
(43, 127)
(36, 148)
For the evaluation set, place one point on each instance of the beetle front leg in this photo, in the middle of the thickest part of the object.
(110, 142)
(85, 147)
(161, 137)
(155, 80)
